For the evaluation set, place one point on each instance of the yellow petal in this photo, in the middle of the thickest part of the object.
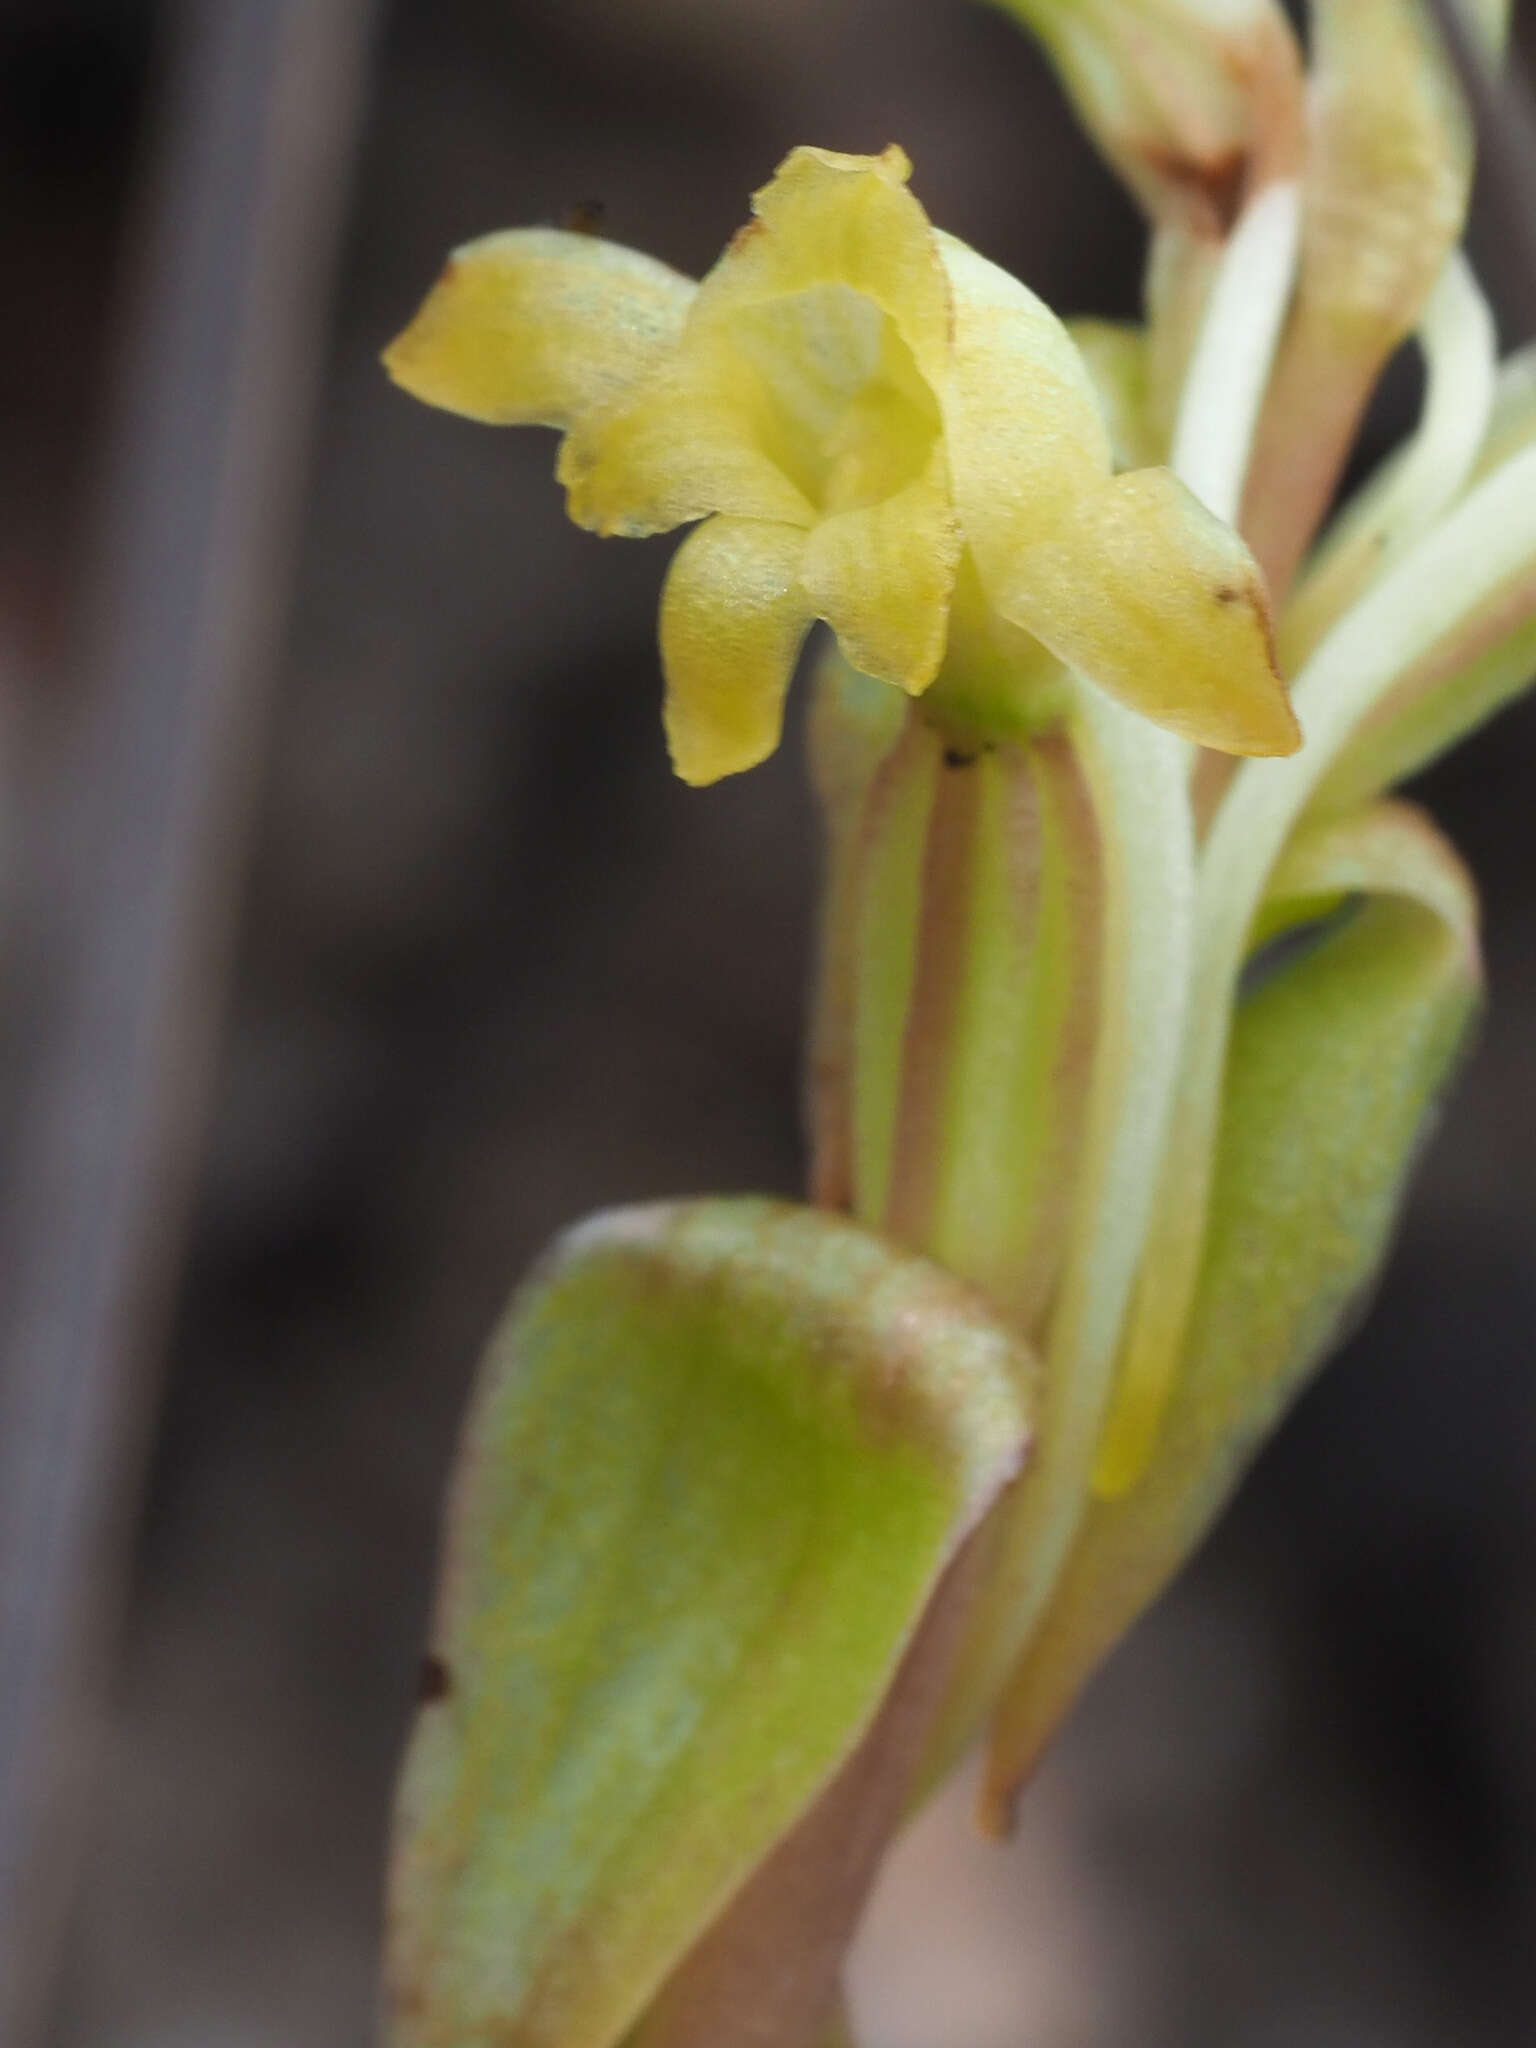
(693, 442)
(1118, 358)
(799, 377)
(1023, 421)
(881, 576)
(841, 220)
(532, 327)
(1150, 596)
(733, 616)
(1127, 579)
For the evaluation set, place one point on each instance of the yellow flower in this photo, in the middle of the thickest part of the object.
(849, 402)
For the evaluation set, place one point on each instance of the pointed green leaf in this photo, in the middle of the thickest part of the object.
(1389, 169)
(1417, 483)
(1474, 653)
(1338, 1057)
(1475, 571)
(720, 1454)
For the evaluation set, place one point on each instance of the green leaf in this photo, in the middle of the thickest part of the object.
(1481, 653)
(1389, 169)
(1420, 480)
(1338, 1056)
(720, 1455)
(1368, 696)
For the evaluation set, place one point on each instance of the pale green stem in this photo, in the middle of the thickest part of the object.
(1415, 486)
(1229, 370)
(1137, 775)
(1483, 543)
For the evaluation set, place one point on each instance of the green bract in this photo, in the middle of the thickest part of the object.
(719, 1458)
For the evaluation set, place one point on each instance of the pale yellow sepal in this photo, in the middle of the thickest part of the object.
(1127, 579)
(1152, 597)
(533, 326)
(1117, 356)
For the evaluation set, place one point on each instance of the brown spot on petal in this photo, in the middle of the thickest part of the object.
(585, 217)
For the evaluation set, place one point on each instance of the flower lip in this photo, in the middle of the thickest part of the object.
(844, 411)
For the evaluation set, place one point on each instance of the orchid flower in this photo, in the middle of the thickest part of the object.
(1129, 1014)
(869, 420)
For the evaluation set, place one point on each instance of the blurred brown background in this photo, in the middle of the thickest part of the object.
(494, 968)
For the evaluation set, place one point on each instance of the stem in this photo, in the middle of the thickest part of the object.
(1413, 489)
(1229, 370)
(1482, 546)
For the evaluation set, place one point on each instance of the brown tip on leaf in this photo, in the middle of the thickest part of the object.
(1213, 189)
(434, 1681)
(997, 1809)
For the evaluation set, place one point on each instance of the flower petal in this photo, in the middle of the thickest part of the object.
(1149, 595)
(843, 220)
(1117, 356)
(882, 575)
(534, 326)
(1021, 415)
(696, 440)
(733, 615)
(1128, 579)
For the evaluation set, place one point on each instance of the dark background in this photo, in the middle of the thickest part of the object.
(495, 968)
